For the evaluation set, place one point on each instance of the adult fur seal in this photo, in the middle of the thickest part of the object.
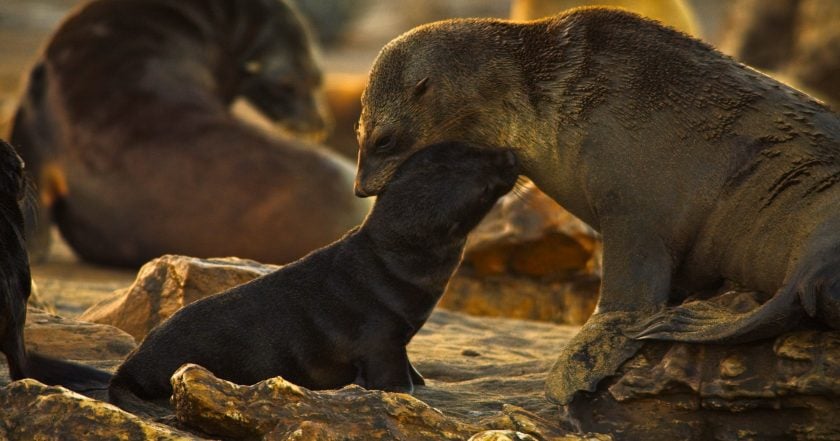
(697, 170)
(15, 286)
(126, 127)
(344, 313)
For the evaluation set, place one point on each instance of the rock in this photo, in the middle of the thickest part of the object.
(278, 410)
(166, 284)
(530, 259)
(278, 407)
(512, 435)
(502, 435)
(72, 339)
(98, 345)
(782, 388)
(528, 234)
(566, 302)
(33, 411)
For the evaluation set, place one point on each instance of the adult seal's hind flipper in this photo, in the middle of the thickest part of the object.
(708, 322)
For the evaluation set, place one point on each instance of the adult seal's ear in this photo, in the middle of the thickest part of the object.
(421, 87)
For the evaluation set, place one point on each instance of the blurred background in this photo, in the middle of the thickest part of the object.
(772, 35)
(540, 262)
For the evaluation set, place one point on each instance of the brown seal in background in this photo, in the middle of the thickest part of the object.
(126, 127)
(698, 171)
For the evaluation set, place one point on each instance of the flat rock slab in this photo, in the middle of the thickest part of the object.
(168, 283)
(787, 388)
(94, 344)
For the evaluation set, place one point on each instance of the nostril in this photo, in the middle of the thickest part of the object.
(511, 158)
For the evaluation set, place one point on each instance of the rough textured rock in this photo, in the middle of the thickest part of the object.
(98, 345)
(33, 411)
(222, 408)
(528, 234)
(278, 410)
(531, 259)
(559, 301)
(166, 284)
(783, 388)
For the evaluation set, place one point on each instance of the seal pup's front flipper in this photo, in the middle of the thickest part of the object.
(416, 378)
(387, 369)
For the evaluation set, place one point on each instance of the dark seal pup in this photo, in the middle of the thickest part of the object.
(127, 129)
(344, 313)
(15, 286)
(697, 170)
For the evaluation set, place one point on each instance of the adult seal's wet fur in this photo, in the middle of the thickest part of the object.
(698, 171)
(345, 313)
(126, 127)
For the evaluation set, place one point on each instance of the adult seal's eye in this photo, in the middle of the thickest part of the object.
(385, 144)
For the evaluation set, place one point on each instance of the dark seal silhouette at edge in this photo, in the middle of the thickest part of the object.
(15, 288)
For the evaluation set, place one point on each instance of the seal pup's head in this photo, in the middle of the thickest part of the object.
(278, 66)
(439, 194)
(459, 80)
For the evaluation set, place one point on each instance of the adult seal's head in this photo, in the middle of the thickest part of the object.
(452, 80)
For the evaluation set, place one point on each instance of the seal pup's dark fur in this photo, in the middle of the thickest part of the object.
(15, 287)
(344, 313)
(127, 129)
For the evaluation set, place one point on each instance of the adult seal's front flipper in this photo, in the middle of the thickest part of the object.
(595, 353)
